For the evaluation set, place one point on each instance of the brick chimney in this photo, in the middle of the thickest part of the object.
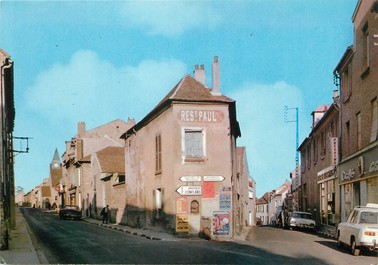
(216, 78)
(81, 129)
(200, 75)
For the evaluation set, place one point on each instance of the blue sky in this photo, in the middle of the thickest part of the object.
(97, 61)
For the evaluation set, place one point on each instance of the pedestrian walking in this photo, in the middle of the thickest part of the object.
(105, 214)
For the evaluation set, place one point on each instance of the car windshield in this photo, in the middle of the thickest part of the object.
(369, 218)
(302, 215)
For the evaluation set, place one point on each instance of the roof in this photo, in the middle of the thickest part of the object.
(112, 159)
(264, 199)
(56, 155)
(187, 90)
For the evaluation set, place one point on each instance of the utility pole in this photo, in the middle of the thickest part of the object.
(296, 120)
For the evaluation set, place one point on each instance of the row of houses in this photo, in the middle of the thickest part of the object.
(178, 170)
(339, 158)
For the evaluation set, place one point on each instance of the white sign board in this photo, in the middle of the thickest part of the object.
(190, 178)
(213, 178)
(189, 190)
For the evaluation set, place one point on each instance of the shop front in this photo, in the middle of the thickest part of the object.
(327, 181)
(359, 180)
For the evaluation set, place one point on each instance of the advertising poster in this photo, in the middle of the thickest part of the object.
(182, 205)
(208, 189)
(221, 223)
(225, 201)
(182, 224)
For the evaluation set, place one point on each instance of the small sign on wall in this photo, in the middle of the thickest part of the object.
(182, 206)
(182, 224)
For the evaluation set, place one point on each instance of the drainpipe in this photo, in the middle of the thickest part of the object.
(3, 232)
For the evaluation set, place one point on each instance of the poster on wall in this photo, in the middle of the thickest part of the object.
(225, 201)
(182, 224)
(221, 223)
(182, 205)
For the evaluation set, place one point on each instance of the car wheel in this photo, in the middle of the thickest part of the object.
(355, 250)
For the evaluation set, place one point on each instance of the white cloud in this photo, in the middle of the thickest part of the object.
(170, 18)
(270, 141)
(87, 85)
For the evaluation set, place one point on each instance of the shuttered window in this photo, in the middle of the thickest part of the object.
(194, 144)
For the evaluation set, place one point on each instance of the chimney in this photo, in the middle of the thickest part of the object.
(200, 75)
(81, 129)
(216, 78)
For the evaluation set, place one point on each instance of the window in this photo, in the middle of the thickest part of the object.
(374, 120)
(308, 154)
(158, 153)
(194, 144)
(365, 50)
(347, 82)
(323, 144)
(315, 150)
(359, 144)
(347, 126)
(121, 178)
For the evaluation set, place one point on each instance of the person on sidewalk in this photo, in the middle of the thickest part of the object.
(105, 214)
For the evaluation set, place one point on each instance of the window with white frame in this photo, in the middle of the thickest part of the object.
(193, 143)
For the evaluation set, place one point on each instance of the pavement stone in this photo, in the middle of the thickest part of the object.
(21, 249)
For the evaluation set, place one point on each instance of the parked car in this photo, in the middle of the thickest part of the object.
(360, 230)
(301, 220)
(70, 211)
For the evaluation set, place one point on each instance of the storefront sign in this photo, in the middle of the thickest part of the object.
(326, 174)
(182, 224)
(201, 116)
(348, 175)
(373, 167)
(334, 151)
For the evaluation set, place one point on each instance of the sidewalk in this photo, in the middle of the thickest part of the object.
(142, 232)
(21, 249)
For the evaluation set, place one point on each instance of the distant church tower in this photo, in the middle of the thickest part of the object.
(55, 170)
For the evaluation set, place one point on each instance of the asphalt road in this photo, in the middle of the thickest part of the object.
(68, 241)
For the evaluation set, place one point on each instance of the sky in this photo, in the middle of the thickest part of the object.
(98, 61)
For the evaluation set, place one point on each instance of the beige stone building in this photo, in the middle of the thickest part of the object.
(181, 166)
(77, 186)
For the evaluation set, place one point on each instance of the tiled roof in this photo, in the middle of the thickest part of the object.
(264, 199)
(187, 90)
(112, 159)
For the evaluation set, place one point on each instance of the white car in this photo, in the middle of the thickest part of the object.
(360, 230)
(301, 220)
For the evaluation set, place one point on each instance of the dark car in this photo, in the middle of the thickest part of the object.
(70, 211)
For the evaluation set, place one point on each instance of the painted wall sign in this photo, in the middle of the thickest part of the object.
(189, 190)
(190, 178)
(213, 178)
(182, 224)
(221, 223)
(207, 116)
(334, 151)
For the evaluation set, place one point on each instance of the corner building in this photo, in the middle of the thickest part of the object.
(358, 103)
(181, 161)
